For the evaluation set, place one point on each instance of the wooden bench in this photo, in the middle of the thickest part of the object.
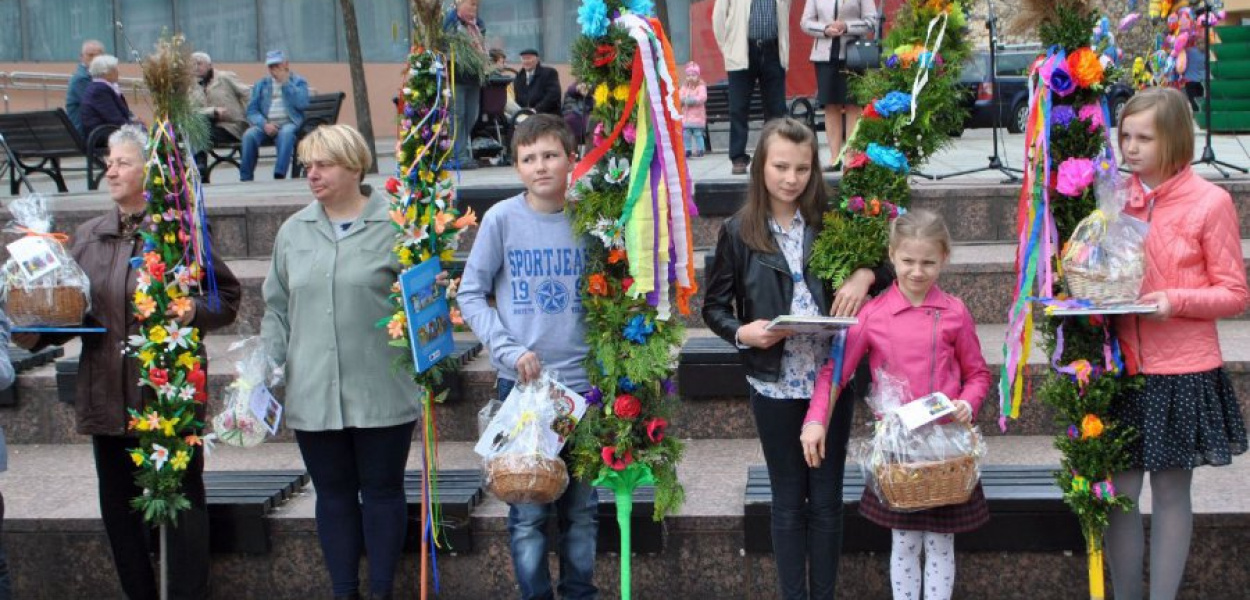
(323, 109)
(1027, 514)
(459, 493)
(709, 367)
(239, 503)
(717, 108)
(49, 137)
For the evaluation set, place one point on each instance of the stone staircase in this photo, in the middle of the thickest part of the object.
(51, 496)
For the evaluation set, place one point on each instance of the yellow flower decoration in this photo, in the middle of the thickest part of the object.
(405, 257)
(137, 456)
(170, 238)
(148, 358)
(621, 93)
(180, 460)
(144, 304)
(447, 254)
(601, 94)
(174, 292)
(167, 426)
(157, 334)
(156, 218)
(187, 360)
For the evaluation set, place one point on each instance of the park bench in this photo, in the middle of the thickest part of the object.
(323, 109)
(239, 503)
(1027, 514)
(48, 136)
(717, 108)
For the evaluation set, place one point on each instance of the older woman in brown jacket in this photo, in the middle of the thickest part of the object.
(107, 378)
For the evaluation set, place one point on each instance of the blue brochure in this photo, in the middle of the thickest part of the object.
(429, 316)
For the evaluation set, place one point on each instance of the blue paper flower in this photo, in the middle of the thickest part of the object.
(642, 8)
(890, 158)
(669, 387)
(892, 103)
(592, 15)
(1061, 81)
(1062, 115)
(639, 329)
(625, 385)
(892, 62)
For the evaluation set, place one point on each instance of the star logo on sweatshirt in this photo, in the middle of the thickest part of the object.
(553, 296)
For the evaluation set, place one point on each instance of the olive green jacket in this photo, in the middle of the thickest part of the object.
(323, 299)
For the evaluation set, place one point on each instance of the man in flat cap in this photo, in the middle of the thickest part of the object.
(274, 117)
(537, 87)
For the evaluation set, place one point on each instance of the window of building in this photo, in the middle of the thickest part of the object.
(57, 28)
(225, 29)
(11, 40)
(306, 30)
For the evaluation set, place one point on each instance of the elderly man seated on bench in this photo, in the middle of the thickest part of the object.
(274, 117)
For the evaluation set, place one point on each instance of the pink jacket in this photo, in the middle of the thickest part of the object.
(933, 346)
(694, 116)
(1193, 252)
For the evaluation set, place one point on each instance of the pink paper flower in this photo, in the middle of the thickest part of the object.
(630, 133)
(1075, 174)
(1093, 114)
(598, 138)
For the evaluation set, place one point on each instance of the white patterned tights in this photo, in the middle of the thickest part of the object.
(939, 565)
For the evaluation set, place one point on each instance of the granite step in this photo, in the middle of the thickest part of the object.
(38, 416)
(246, 216)
(52, 512)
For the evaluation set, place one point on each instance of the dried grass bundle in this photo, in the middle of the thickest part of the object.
(427, 22)
(169, 74)
(1032, 14)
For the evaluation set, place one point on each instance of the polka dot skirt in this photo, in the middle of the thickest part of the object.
(1183, 421)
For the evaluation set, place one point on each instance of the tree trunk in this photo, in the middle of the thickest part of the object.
(360, 91)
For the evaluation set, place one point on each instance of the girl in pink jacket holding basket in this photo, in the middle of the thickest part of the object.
(927, 337)
(1186, 413)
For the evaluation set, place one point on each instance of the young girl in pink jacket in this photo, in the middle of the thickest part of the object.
(1186, 413)
(693, 110)
(927, 337)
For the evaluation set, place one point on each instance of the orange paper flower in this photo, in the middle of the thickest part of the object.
(616, 255)
(468, 219)
(598, 285)
(1085, 67)
(1091, 426)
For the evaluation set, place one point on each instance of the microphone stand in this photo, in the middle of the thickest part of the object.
(995, 163)
(1208, 153)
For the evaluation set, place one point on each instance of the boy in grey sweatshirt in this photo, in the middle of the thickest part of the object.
(528, 258)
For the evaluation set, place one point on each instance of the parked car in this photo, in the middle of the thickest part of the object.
(1008, 105)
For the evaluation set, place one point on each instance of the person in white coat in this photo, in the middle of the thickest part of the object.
(835, 24)
(754, 38)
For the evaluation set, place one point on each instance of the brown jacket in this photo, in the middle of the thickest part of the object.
(107, 379)
(224, 91)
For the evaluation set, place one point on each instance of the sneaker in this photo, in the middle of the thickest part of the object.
(279, 175)
(740, 167)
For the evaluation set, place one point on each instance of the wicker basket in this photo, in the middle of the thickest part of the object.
(522, 479)
(1100, 290)
(920, 485)
(56, 306)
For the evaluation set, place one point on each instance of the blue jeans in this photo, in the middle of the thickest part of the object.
(576, 510)
(361, 507)
(807, 502)
(764, 66)
(252, 140)
(693, 139)
(467, 102)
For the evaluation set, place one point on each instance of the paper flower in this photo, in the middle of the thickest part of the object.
(158, 377)
(627, 406)
(392, 185)
(1085, 67)
(1091, 427)
(630, 133)
(604, 55)
(1075, 174)
(597, 285)
(890, 158)
(892, 61)
(1093, 114)
(594, 397)
(1073, 432)
(668, 386)
(615, 461)
(198, 378)
(180, 460)
(893, 103)
(855, 204)
(621, 93)
(616, 255)
(625, 384)
(602, 94)
(618, 170)
(655, 430)
(643, 8)
(856, 160)
(1079, 484)
(1104, 490)
(639, 329)
(598, 138)
(592, 15)
(1061, 115)
(1128, 21)
(1061, 81)
(159, 456)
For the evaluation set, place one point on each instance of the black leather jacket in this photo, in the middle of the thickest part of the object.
(743, 285)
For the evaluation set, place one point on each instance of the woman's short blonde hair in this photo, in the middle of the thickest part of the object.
(1173, 121)
(339, 144)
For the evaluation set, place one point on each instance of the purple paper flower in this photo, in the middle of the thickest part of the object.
(595, 396)
(1061, 81)
(855, 204)
(669, 387)
(1061, 115)
(1073, 432)
(1093, 114)
(892, 62)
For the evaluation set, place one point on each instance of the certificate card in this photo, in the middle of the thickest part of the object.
(925, 410)
(811, 325)
(429, 316)
(34, 257)
(1120, 309)
(266, 408)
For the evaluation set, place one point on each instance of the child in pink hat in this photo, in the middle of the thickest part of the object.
(693, 111)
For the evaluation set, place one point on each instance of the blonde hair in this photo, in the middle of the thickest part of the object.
(923, 225)
(339, 144)
(1174, 125)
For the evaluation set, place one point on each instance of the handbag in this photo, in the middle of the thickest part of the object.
(863, 54)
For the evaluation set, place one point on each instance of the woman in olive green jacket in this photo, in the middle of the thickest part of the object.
(353, 416)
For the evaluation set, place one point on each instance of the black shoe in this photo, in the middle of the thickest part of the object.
(279, 175)
(833, 168)
(740, 167)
